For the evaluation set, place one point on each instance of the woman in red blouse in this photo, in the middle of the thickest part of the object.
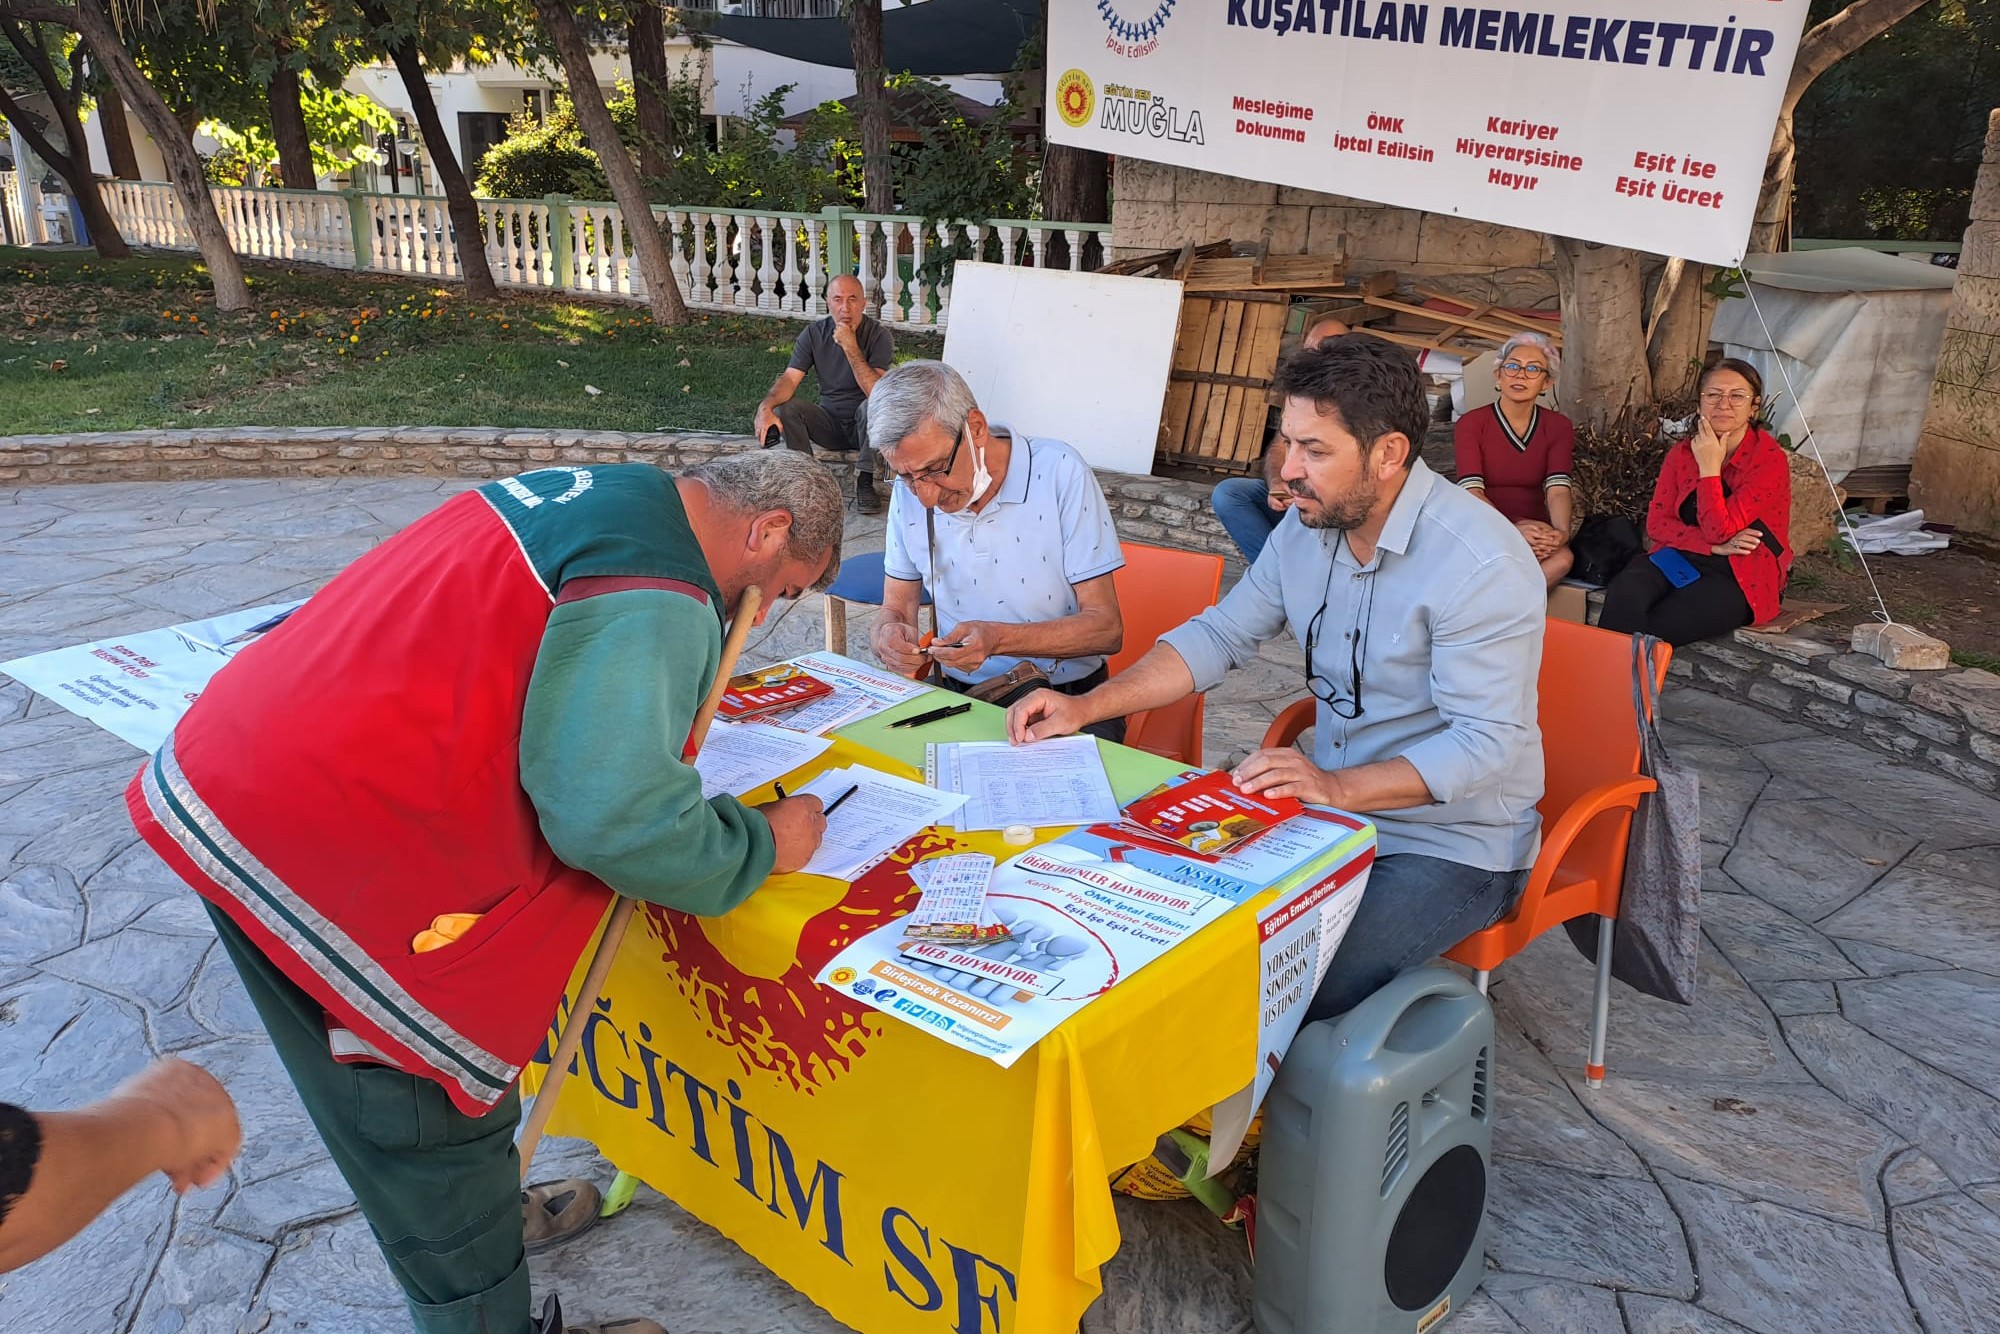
(1515, 455)
(1719, 523)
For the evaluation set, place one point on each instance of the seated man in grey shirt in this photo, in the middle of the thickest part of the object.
(1421, 613)
(848, 351)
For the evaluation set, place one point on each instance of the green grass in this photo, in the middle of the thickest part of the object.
(93, 345)
(1985, 661)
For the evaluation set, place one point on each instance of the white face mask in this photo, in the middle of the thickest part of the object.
(981, 479)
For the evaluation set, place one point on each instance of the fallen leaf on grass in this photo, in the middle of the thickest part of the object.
(592, 390)
(560, 362)
(92, 412)
(683, 362)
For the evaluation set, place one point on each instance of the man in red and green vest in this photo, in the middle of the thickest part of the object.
(482, 719)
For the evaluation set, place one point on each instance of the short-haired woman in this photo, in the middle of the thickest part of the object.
(1515, 454)
(1719, 524)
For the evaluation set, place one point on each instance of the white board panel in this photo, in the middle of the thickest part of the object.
(1082, 357)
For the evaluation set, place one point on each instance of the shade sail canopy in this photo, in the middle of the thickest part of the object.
(934, 38)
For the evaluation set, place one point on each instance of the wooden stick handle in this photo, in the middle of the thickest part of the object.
(747, 607)
(571, 1039)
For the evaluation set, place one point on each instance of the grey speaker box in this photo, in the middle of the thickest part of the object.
(1373, 1175)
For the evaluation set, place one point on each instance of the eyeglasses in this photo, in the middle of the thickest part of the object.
(1530, 368)
(933, 476)
(1735, 398)
(1322, 689)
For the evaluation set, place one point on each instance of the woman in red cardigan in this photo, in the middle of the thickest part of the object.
(1719, 523)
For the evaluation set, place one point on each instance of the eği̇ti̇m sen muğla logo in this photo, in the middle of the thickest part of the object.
(1076, 98)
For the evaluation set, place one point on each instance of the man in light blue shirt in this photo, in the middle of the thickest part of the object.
(1010, 533)
(1421, 612)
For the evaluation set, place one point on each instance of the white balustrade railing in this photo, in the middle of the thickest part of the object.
(13, 216)
(760, 262)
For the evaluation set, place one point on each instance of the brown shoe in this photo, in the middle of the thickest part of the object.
(550, 1321)
(866, 500)
(555, 1211)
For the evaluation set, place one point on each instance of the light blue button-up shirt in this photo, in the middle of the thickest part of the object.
(1019, 560)
(1449, 616)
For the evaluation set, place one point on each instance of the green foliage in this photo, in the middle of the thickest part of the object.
(1726, 283)
(960, 170)
(551, 158)
(341, 125)
(748, 168)
(1889, 139)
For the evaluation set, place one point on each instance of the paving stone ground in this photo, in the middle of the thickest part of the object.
(1815, 1145)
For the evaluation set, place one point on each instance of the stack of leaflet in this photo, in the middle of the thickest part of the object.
(1206, 815)
(1294, 852)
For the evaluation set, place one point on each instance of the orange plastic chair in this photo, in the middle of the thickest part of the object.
(1590, 747)
(1157, 590)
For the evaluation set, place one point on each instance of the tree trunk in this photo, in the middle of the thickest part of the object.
(1604, 360)
(190, 184)
(288, 127)
(1677, 333)
(459, 204)
(662, 290)
(646, 43)
(864, 28)
(1771, 225)
(73, 164)
(118, 148)
(1075, 184)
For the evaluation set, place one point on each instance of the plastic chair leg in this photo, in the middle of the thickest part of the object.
(1600, 1009)
(1482, 978)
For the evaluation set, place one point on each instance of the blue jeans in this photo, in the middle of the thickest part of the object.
(1243, 505)
(1414, 909)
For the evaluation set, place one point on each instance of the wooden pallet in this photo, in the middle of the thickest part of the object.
(1224, 359)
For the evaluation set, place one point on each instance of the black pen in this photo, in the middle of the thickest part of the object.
(918, 720)
(842, 797)
(780, 788)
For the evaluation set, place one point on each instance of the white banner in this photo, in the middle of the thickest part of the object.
(1635, 123)
(137, 686)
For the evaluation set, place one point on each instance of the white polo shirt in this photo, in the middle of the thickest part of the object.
(1020, 559)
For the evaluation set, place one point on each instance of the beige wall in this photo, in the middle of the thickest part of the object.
(1156, 207)
(1956, 478)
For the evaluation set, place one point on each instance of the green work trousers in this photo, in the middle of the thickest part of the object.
(442, 1190)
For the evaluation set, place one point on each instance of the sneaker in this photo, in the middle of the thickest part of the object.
(866, 500)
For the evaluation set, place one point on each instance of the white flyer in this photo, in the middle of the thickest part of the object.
(876, 812)
(859, 691)
(1079, 927)
(740, 757)
(1058, 782)
(137, 686)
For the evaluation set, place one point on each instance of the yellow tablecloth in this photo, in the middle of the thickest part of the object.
(901, 1183)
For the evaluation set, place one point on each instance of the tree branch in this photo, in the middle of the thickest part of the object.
(1828, 43)
(46, 151)
(61, 15)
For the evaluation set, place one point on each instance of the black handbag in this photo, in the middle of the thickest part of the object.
(1604, 544)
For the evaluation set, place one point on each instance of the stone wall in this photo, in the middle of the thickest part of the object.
(1147, 509)
(1947, 720)
(1157, 207)
(1956, 477)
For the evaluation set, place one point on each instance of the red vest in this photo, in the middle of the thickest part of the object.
(355, 773)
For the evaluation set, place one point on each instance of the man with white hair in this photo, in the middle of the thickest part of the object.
(849, 352)
(408, 807)
(1009, 532)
